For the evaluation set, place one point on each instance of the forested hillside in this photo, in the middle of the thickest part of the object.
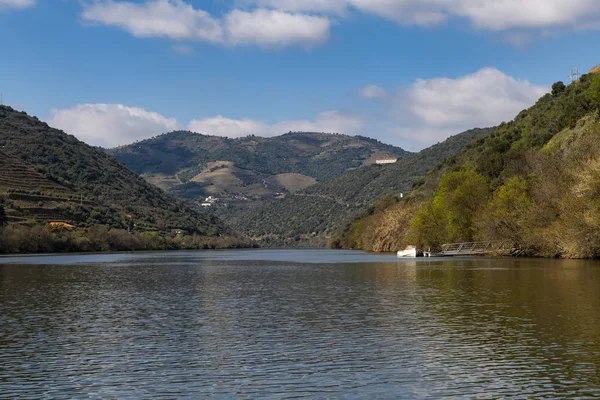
(49, 176)
(535, 181)
(307, 217)
(194, 165)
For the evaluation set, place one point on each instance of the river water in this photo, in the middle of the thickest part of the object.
(297, 323)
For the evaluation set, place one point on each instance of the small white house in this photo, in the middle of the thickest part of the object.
(386, 161)
(210, 201)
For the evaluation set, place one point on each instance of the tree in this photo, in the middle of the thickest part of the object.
(428, 226)
(507, 215)
(558, 88)
(592, 94)
(3, 217)
(450, 215)
(463, 193)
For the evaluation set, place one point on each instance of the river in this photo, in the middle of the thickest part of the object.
(297, 323)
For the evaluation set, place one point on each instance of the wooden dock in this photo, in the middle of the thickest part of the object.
(476, 249)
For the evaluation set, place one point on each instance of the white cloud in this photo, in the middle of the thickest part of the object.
(430, 110)
(488, 14)
(371, 92)
(329, 121)
(110, 125)
(307, 23)
(339, 7)
(407, 12)
(426, 112)
(506, 14)
(273, 28)
(485, 97)
(16, 3)
(175, 19)
(162, 18)
(233, 128)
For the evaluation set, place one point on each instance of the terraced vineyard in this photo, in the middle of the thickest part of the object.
(31, 195)
(16, 175)
(48, 175)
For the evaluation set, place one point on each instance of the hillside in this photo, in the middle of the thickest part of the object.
(15, 174)
(47, 175)
(307, 217)
(534, 182)
(195, 166)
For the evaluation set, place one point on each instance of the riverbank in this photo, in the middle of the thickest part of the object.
(39, 239)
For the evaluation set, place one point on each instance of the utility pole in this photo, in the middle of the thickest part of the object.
(574, 74)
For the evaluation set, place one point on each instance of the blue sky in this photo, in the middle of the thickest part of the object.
(407, 72)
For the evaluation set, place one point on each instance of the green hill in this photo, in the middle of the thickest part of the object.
(47, 175)
(195, 166)
(534, 181)
(308, 217)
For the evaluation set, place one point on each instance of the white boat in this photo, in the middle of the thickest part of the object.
(410, 252)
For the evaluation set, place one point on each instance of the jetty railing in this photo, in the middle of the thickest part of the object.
(476, 248)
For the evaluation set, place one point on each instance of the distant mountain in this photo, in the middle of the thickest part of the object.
(307, 217)
(47, 175)
(193, 165)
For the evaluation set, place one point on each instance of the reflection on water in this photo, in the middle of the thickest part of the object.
(298, 323)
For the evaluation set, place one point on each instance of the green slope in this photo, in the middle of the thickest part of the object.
(191, 164)
(307, 217)
(49, 175)
(534, 181)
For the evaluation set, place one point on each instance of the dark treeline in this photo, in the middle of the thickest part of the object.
(46, 239)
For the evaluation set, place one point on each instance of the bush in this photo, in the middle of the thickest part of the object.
(558, 88)
(38, 239)
(506, 217)
(593, 93)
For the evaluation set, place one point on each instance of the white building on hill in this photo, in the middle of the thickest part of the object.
(386, 161)
(210, 201)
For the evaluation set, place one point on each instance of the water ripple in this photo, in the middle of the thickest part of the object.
(182, 327)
